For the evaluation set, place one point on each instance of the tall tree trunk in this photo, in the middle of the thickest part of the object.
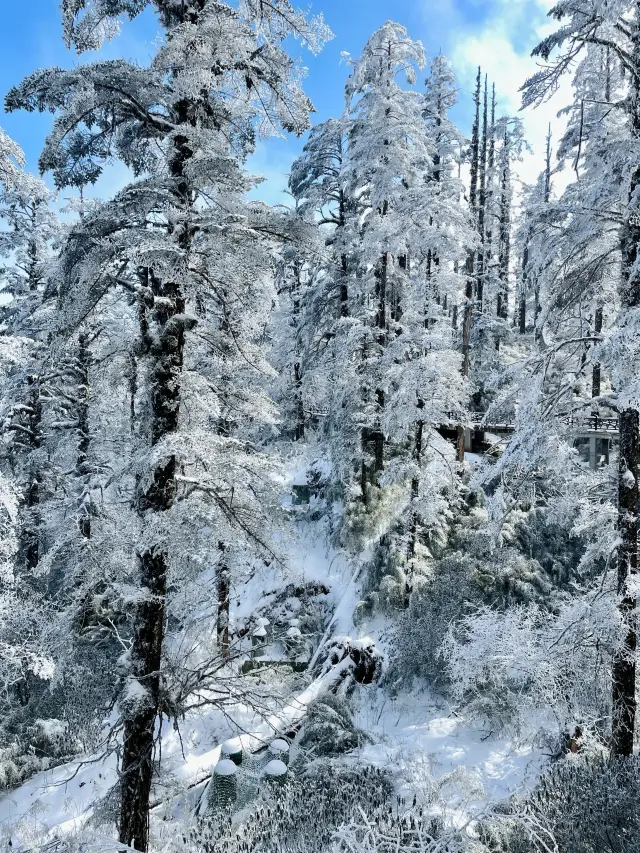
(377, 434)
(167, 353)
(522, 313)
(547, 196)
(504, 260)
(224, 592)
(624, 661)
(297, 366)
(596, 370)
(30, 536)
(344, 268)
(467, 316)
(473, 205)
(139, 729)
(482, 201)
(372, 437)
(84, 435)
(415, 486)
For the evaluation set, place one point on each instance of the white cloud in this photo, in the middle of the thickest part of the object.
(502, 47)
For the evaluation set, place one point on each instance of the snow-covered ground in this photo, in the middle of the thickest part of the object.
(451, 765)
(443, 759)
(447, 761)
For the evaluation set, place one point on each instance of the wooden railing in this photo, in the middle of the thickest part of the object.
(478, 422)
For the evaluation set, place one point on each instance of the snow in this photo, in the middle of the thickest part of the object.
(225, 767)
(231, 747)
(279, 746)
(417, 737)
(363, 644)
(135, 692)
(60, 799)
(427, 745)
(52, 728)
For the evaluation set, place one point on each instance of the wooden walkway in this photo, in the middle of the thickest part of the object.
(599, 432)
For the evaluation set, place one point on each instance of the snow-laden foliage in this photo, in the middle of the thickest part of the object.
(583, 804)
(262, 468)
(377, 354)
(523, 663)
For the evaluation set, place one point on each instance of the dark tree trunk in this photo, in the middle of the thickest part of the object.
(467, 319)
(344, 268)
(30, 535)
(482, 201)
(522, 318)
(504, 259)
(132, 376)
(297, 367)
(596, 371)
(158, 497)
(139, 730)
(84, 435)
(300, 419)
(415, 486)
(372, 437)
(547, 196)
(224, 591)
(467, 316)
(624, 664)
(488, 241)
(381, 322)
(624, 660)
(166, 352)
(460, 444)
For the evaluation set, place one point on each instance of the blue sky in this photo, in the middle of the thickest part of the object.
(498, 34)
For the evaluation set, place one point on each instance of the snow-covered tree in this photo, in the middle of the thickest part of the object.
(588, 29)
(196, 257)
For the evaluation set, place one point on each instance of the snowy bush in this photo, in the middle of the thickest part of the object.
(40, 746)
(582, 805)
(313, 805)
(472, 574)
(391, 832)
(512, 665)
(329, 730)
(434, 604)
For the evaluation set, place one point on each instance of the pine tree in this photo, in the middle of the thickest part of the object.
(615, 26)
(474, 162)
(182, 124)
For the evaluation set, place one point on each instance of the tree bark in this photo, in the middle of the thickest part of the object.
(344, 268)
(84, 435)
(415, 486)
(224, 592)
(482, 202)
(30, 536)
(522, 319)
(624, 664)
(624, 660)
(467, 319)
(504, 260)
(297, 366)
(596, 371)
(167, 353)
